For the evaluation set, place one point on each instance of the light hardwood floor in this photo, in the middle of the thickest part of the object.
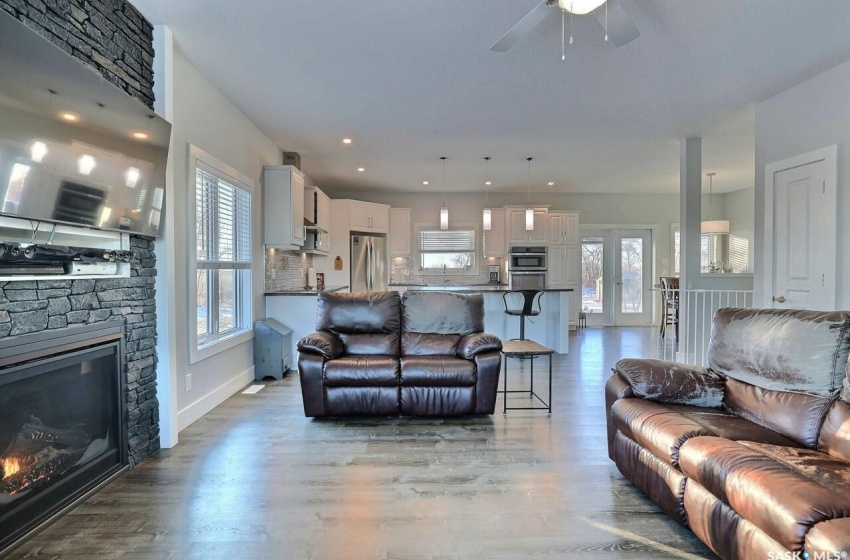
(254, 479)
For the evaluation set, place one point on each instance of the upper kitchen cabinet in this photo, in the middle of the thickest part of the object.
(400, 232)
(369, 217)
(317, 211)
(494, 240)
(283, 206)
(516, 226)
(562, 227)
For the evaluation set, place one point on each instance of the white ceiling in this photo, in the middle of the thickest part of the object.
(412, 81)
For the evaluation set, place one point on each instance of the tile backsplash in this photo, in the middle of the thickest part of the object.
(403, 271)
(289, 269)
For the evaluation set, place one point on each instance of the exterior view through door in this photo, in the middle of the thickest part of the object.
(616, 274)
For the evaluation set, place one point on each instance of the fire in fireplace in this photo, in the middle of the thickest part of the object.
(62, 425)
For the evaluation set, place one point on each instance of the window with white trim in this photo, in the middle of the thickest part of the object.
(452, 251)
(222, 283)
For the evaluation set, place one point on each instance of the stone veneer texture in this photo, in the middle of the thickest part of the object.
(116, 41)
(109, 36)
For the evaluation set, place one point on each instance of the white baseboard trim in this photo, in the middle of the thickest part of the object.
(197, 409)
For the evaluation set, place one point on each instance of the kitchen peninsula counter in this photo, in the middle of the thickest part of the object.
(550, 328)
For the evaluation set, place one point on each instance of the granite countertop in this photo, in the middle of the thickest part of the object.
(481, 288)
(305, 291)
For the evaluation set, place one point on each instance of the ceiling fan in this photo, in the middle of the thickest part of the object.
(619, 26)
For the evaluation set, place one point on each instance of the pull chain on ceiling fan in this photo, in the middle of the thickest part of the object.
(615, 21)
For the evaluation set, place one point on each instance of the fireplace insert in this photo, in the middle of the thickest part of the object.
(62, 421)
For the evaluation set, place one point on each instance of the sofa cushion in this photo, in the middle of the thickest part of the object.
(835, 433)
(362, 401)
(774, 495)
(782, 349)
(429, 344)
(442, 312)
(437, 401)
(373, 312)
(362, 371)
(829, 539)
(370, 343)
(797, 416)
(663, 428)
(726, 532)
(672, 382)
(431, 371)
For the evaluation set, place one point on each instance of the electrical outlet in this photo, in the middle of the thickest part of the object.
(274, 274)
(188, 382)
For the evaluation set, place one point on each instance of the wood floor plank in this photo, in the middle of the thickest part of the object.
(255, 479)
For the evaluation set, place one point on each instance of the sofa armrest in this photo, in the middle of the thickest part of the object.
(473, 344)
(672, 382)
(327, 344)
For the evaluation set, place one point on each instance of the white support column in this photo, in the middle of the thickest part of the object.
(166, 293)
(690, 194)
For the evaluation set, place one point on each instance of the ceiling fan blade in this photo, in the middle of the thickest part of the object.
(621, 29)
(522, 27)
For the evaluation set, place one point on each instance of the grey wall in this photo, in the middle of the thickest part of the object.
(113, 39)
(806, 117)
(205, 118)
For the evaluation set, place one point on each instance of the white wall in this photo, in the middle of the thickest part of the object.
(204, 117)
(806, 117)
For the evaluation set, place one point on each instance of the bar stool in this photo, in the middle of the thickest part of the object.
(670, 304)
(530, 299)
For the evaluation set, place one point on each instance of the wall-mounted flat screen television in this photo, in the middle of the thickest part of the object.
(75, 149)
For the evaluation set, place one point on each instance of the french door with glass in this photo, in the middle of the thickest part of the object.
(616, 275)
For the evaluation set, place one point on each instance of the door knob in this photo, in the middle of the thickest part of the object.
(779, 299)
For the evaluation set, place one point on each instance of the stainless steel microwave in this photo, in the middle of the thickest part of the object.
(525, 258)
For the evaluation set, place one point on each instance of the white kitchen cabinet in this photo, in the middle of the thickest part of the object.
(283, 207)
(369, 217)
(317, 209)
(494, 240)
(400, 232)
(516, 226)
(562, 227)
(563, 264)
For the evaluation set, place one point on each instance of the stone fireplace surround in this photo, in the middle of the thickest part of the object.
(115, 40)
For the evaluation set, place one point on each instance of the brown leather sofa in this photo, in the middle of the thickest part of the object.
(380, 354)
(752, 453)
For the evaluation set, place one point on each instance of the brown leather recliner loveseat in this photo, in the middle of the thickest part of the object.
(380, 354)
(752, 453)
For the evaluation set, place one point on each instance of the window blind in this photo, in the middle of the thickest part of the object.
(223, 228)
(446, 241)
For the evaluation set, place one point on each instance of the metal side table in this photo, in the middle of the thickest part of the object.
(526, 349)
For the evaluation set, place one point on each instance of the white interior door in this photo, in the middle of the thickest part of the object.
(616, 276)
(803, 239)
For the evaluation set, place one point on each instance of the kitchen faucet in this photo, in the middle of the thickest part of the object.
(445, 279)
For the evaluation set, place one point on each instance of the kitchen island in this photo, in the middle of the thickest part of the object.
(297, 310)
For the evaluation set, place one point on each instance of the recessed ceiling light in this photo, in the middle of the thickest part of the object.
(141, 135)
(488, 183)
(425, 182)
(551, 183)
(70, 117)
(361, 169)
(346, 140)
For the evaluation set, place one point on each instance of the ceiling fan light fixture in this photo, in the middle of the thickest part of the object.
(579, 7)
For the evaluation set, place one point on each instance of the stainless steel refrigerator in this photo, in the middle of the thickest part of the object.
(369, 263)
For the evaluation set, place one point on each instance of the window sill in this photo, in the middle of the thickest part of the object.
(219, 345)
